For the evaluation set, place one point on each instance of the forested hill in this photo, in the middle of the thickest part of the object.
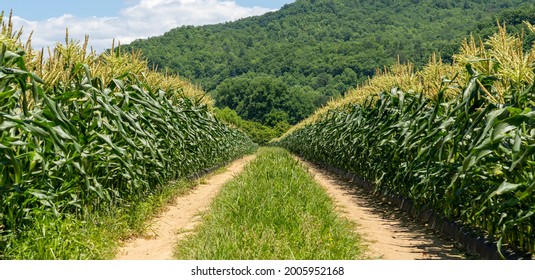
(311, 50)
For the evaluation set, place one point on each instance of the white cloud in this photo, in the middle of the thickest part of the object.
(145, 19)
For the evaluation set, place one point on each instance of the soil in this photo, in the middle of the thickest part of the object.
(179, 219)
(388, 233)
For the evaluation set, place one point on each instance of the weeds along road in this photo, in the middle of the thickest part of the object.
(385, 232)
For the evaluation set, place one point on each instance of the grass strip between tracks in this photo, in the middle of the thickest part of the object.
(273, 210)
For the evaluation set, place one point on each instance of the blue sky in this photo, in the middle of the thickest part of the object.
(42, 9)
(124, 20)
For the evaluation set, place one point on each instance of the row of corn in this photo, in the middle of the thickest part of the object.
(470, 156)
(78, 142)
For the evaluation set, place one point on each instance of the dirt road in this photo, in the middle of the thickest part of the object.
(389, 234)
(179, 219)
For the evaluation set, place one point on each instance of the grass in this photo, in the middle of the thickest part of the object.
(93, 237)
(273, 210)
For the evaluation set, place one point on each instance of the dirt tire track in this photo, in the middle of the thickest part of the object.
(387, 232)
(179, 219)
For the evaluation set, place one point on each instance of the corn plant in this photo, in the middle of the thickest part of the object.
(79, 143)
(470, 156)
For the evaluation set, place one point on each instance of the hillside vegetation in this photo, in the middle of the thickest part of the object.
(280, 66)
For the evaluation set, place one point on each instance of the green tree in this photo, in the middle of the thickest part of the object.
(328, 45)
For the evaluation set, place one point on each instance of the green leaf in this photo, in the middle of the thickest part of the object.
(61, 133)
(500, 130)
(506, 187)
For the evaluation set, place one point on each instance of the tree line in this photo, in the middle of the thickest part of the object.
(279, 67)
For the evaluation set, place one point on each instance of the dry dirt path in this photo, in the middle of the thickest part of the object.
(387, 232)
(179, 218)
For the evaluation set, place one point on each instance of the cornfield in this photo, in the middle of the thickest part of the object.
(469, 155)
(78, 140)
